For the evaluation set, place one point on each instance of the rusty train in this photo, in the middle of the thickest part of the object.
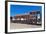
(33, 17)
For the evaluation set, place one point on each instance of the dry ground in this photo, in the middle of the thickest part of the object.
(21, 26)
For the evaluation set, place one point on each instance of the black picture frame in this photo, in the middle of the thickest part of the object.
(6, 28)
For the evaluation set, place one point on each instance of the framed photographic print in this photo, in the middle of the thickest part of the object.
(24, 16)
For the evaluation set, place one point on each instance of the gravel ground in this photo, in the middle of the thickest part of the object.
(21, 26)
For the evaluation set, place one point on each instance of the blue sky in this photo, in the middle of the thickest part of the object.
(21, 9)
